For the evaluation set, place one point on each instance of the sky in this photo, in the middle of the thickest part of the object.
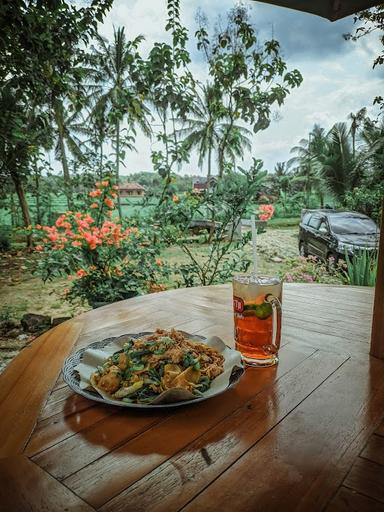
(338, 75)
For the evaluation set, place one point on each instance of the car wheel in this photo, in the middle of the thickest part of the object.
(332, 260)
(302, 250)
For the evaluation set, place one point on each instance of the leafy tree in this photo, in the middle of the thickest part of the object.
(370, 21)
(251, 75)
(171, 94)
(37, 46)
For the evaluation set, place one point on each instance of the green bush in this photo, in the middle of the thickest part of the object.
(366, 199)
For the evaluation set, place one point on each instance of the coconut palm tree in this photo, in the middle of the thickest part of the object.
(207, 128)
(305, 165)
(281, 178)
(67, 127)
(201, 130)
(234, 141)
(116, 77)
(357, 119)
(372, 148)
(338, 165)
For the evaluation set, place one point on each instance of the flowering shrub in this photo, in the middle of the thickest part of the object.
(105, 259)
(310, 270)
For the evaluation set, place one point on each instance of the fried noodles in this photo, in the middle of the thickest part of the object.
(152, 364)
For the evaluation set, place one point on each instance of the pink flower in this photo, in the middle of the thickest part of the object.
(81, 273)
(289, 278)
(94, 205)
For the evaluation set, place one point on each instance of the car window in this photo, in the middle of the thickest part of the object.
(323, 228)
(314, 222)
(350, 225)
(306, 218)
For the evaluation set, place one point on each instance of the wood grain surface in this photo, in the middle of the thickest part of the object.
(306, 434)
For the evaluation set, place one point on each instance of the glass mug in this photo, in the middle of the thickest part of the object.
(257, 316)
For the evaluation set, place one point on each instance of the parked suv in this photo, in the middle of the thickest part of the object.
(329, 234)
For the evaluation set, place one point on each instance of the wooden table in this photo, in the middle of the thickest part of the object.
(305, 435)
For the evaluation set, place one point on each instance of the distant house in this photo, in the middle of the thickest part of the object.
(202, 184)
(131, 190)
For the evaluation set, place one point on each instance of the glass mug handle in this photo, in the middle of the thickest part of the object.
(276, 319)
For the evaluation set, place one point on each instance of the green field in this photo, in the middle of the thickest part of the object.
(131, 206)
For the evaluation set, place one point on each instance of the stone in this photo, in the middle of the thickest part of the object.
(13, 333)
(23, 337)
(277, 259)
(59, 320)
(32, 322)
(7, 325)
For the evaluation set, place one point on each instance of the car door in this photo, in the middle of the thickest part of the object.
(322, 239)
(312, 233)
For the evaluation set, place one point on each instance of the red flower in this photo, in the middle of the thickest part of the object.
(159, 262)
(81, 273)
(105, 183)
(109, 202)
(76, 243)
(94, 205)
(95, 193)
(53, 237)
(175, 199)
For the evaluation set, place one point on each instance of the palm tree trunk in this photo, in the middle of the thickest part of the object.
(221, 160)
(209, 159)
(353, 141)
(118, 165)
(63, 154)
(24, 205)
(101, 160)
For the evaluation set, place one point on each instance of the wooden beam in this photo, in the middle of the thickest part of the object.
(377, 336)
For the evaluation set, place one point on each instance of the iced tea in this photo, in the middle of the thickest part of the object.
(257, 312)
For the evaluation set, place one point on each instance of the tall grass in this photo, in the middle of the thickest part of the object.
(361, 268)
